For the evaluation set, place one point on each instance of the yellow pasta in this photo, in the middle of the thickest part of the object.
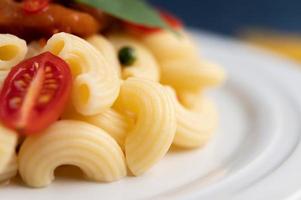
(8, 141)
(113, 122)
(180, 64)
(69, 142)
(96, 83)
(107, 49)
(12, 51)
(165, 45)
(145, 66)
(10, 170)
(150, 138)
(191, 75)
(194, 128)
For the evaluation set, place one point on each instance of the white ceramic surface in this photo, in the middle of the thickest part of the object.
(255, 154)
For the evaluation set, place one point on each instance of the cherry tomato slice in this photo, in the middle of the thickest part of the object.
(169, 18)
(34, 6)
(35, 93)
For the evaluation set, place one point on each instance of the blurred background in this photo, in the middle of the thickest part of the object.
(272, 24)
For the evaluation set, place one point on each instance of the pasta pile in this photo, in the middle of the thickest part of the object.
(118, 116)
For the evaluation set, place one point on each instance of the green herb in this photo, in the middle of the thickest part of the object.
(135, 11)
(127, 56)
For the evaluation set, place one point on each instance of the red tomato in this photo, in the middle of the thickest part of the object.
(35, 93)
(169, 18)
(34, 6)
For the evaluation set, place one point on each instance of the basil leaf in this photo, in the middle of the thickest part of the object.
(136, 11)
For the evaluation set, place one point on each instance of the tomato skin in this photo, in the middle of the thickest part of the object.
(34, 6)
(35, 93)
(173, 21)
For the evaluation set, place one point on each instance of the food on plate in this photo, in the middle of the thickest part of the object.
(100, 86)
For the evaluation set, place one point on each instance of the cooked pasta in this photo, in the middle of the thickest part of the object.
(10, 170)
(8, 141)
(133, 92)
(145, 66)
(96, 82)
(191, 75)
(165, 45)
(194, 127)
(150, 138)
(113, 122)
(107, 49)
(69, 142)
(12, 51)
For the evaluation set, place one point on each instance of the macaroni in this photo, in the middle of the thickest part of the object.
(12, 51)
(145, 66)
(150, 138)
(69, 142)
(107, 49)
(194, 128)
(96, 82)
(8, 141)
(10, 170)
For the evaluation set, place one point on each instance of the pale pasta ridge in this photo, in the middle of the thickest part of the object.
(194, 127)
(8, 142)
(12, 51)
(145, 65)
(107, 49)
(180, 64)
(70, 142)
(96, 83)
(150, 138)
(10, 170)
(112, 121)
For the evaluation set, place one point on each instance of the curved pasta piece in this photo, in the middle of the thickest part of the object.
(10, 170)
(107, 49)
(12, 51)
(191, 75)
(69, 142)
(189, 99)
(145, 65)
(96, 83)
(113, 122)
(8, 142)
(194, 128)
(150, 138)
(168, 46)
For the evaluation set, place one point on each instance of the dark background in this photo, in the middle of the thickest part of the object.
(232, 16)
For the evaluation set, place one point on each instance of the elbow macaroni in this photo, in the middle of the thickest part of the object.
(8, 142)
(166, 46)
(145, 66)
(96, 82)
(191, 75)
(12, 51)
(150, 138)
(180, 64)
(111, 124)
(10, 170)
(107, 49)
(194, 128)
(70, 142)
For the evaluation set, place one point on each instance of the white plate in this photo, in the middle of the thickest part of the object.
(256, 154)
